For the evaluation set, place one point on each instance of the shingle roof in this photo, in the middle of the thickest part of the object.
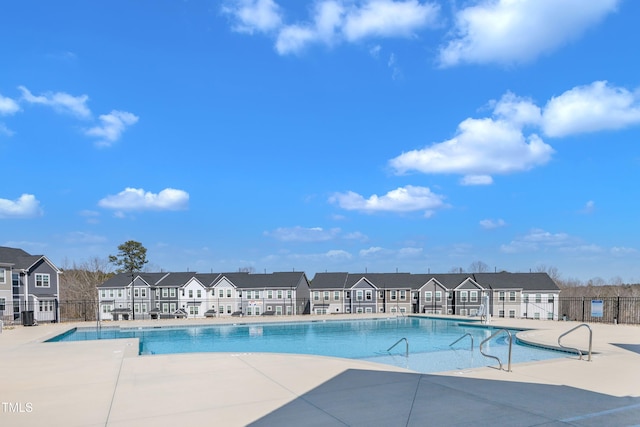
(525, 281)
(20, 259)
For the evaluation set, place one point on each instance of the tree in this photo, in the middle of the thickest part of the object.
(78, 287)
(478, 267)
(132, 256)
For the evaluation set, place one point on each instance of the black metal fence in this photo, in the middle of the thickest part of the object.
(622, 310)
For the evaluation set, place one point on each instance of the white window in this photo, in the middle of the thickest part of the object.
(3, 276)
(269, 294)
(172, 292)
(368, 310)
(427, 296)
(190, 293)
(463, 312)
(249, 311)
(325, 295)
(512, 296)
(359, 310)
(228, 293)
(256, 311)
(549, 315)
(538, 297)
(229, 309)
(403, 309)
(316, 296)
(42, 280)
(103, 293)
(136, 293)
(536, 315)
(119, 293)
(473, 296)
(279, 310)
(143, 292)
(165, 292)
(368, 295)
(45, 305)
(403, 295)
(199, 293)
(501, 295)
(526, 298)
(110, 293)
(336, 295)
(288, 294)
(463, 296)
(280, 294)
(381, 295)
(358, 295)
(393, 295)
(106, 308)
(438, 296)
(172, 307)
(194, 309)
(347, 294)
(165, 307)
(221, 293)
(144, 307)
(136, 308)
(289, 310)
(512, 314)
(501, 313)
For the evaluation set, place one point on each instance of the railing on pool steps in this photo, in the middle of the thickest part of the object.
(465, 335)
(406, 347)
(575, 349)
(495, 357)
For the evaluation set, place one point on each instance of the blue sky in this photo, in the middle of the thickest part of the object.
(328, 135)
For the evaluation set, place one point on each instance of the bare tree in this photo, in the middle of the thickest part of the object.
(248, 269)
(456, 270)
(478, 267)
(80, 281)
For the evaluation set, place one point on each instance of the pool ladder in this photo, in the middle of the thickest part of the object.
(575, 349)
(406, 347)
(465, 335)
(495, 357)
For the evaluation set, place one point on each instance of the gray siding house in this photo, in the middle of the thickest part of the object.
(28, 283)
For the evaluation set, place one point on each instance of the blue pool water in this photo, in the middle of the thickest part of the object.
(429, 341)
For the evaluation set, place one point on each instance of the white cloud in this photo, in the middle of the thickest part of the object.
(8, 106)
(622, 251)
(60, 102)
(333, 21)
(372, 251)
(476, 180)
(590, 108)
(538, 239)
(4, 130)
(516, 110)
(489, 224)
(304, 234)
(482, 147)
(403, 199)
(113, 125)
(589, 207)
(337, 254)
(516, 31)
(26, 206)
(136, 199)
(85, 238)
(254, 15)
(386, 18)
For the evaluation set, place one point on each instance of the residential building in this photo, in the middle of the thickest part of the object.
(196, 295)
(28, 283)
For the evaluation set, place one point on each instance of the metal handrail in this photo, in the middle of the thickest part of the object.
(577, 349)
(495, 357)
(398, 342)
(467, 334)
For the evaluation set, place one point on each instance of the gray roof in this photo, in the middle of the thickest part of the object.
(18, 258)
(283, 280)
(525, 281)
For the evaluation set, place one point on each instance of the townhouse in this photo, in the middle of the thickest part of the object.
(29, 287)
(528, 295)
(197, 295)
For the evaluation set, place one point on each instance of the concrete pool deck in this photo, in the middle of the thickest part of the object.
(106, 383)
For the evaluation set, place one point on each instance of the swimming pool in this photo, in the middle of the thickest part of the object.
(428, 339)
